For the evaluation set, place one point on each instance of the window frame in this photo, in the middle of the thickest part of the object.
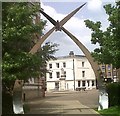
(50, 65)
(93, 83)
(57, 65)
(64, 73)
(64, 64)
(83, 64)
(79, 83)
(83, 73)
(83, 84)
(57, 74)
(50, 75)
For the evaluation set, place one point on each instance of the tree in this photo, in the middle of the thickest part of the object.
(18, 32)
(108, 40)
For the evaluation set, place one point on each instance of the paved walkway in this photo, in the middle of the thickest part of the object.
(56, 104)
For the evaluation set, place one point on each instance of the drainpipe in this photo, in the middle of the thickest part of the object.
(74, 74)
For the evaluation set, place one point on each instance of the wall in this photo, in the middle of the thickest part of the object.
(71, 72)
(32, 92)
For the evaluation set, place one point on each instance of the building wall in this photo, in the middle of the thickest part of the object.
(50, 85)
(75, 67)
(69, 85)
(109, 72)
(34, 88)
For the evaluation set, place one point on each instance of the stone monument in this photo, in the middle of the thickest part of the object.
(62, 80)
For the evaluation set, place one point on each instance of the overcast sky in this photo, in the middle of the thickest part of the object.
(93, 10)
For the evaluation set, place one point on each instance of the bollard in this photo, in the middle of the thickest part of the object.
(23, 96)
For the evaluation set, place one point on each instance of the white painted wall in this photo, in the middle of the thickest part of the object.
(69, 79)
(50, 86)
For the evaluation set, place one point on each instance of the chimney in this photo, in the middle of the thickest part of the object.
(71, 53)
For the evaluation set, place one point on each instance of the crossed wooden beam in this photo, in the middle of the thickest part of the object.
(58, 26)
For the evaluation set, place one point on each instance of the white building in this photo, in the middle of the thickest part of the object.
(70, 72)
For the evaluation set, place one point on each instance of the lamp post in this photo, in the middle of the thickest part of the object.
(74, 74)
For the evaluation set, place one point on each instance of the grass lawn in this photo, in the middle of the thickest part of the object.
(112, 111)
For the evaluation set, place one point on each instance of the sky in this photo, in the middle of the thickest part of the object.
(93, 11)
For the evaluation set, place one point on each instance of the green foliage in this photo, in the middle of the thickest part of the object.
(18, 34)
(113, 90)
(108, 40)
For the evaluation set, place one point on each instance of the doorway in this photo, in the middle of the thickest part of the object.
(56, 85)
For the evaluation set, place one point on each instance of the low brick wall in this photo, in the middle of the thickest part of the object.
(32, 92)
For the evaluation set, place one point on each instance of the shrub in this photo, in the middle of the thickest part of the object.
(113, 90)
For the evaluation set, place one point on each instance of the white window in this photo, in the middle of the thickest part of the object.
(65, 73)
(88, 82)
(58, 74)
(93, 83)
(78, 83)
(64, 64)
(57, 65)
(109, 67)
(83, 83)
(50, 65)
(50, 75)
(103, 67)
(109, 73)
(83, 73)
(83, 64)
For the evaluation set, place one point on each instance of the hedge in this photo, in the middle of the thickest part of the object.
(113, 90)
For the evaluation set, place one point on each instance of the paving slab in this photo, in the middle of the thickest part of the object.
(64, 103)
(60, 107)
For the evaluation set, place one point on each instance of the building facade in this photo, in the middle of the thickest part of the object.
(109, 73)
(69, 73)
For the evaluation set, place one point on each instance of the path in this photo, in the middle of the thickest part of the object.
(64, 103)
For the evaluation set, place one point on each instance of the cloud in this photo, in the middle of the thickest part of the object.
(94, 5)
(48, 9)
(75, 25)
